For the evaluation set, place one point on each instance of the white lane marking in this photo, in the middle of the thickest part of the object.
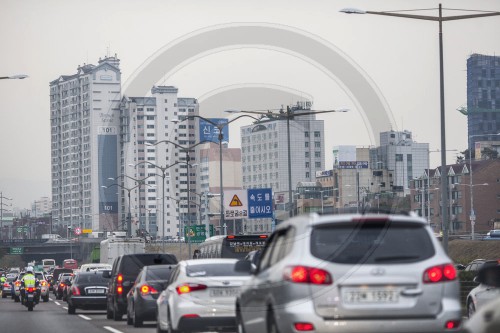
(65, 308)
(84, 317)
(111, 329)
(50, 299)
(57, 303)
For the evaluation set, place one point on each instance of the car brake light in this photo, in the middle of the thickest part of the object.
(75, 291)
(6, 285)
(451, 324)
(17, 283)
(304, 326)
(61, 285)
(304, 274)
(440, 273)
(31, 289)
(190, 315)
(145, 290)
(44, 283)
(119, 290)
(119, 278)
(189, 287)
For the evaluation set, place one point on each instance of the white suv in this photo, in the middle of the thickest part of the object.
(351, 273)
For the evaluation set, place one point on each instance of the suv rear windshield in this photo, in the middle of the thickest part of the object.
(222, 269)
(371, 242)
(96, 277)
(132, 264)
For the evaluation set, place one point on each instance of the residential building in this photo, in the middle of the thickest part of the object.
(485, 192)
(264, 153)
(84, 117)
(41, 207)
(397, 161)
(154, 166)
(483, 98)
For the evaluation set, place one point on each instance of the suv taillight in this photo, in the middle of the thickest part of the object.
(304, 274)
(440, 273)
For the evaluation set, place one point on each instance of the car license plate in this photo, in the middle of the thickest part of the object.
(362, 296)
(95, 291)
(224, 292)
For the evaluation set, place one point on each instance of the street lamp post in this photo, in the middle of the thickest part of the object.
(163, 176)
(129, 219)
(289, 114)
(220, 137)
(472, 215)
(13, 77)
(440, 19)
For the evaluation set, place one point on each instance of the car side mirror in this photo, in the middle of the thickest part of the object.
(106, 274)
(243, 266)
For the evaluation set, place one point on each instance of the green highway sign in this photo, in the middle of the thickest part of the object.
(197, 233)
(16, 250)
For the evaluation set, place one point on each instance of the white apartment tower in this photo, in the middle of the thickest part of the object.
(153, 164)
(264, 151)
(84, 116)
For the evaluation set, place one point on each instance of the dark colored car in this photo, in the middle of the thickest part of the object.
(55, 276)
(141, 299)
(7, 286)
(125, 270)
(87, 291)
(61, 284)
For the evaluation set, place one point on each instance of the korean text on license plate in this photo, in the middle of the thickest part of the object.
(224, 292)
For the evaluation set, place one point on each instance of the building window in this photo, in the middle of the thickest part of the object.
(307, 154)
(317, 134)
(306, 134)
(317, 164)
(307, 164)
(317, 144)
(307, 174)
(317, 154)
(306, 144)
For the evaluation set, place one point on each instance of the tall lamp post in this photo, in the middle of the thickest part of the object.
(186, 149)
(129, 219)
(287, 115)
(220, 137)
(163, 176)
(472, 215)
(14, 77)
(440, 19)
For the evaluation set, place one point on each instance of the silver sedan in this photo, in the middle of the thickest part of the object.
(200, 296)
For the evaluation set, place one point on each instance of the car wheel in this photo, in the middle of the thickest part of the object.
(109, 313)
(271, 323)
(137, 320)
(117, 316)
(130, 321)
(239, 322)
(158, 328)
(471, 309)
(46, 298)
(170, 328)
(4, 295)
(71, 309)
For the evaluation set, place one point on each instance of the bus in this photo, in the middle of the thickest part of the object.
(48, 265)
(230, 246)
(70, 263)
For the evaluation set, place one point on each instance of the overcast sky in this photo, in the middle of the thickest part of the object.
(46, 39)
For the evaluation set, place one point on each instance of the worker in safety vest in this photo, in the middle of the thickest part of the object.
(29, 280)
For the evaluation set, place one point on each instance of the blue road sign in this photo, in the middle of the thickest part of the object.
(260, 203)
(209, 132)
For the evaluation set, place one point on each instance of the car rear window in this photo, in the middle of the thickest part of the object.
(159, 273)
(91, 278)
(370, 242)
(222, 269)
(132, 264)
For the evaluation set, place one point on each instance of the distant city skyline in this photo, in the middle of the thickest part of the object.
(400, 56)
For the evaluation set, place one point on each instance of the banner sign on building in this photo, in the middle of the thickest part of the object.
(324, 173)
(353, 165)
(260, 203)
(209, 132)
(235, 204)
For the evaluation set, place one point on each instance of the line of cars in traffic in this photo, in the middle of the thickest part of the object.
(342, 273)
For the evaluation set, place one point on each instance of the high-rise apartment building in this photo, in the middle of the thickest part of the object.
(264, 151)
(483, 98)
(84, 116)
(397, 161)
(41, 207)
(154, 166)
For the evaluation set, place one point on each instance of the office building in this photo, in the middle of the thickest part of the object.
(483, 99)
(41, 207)
(84, 117)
